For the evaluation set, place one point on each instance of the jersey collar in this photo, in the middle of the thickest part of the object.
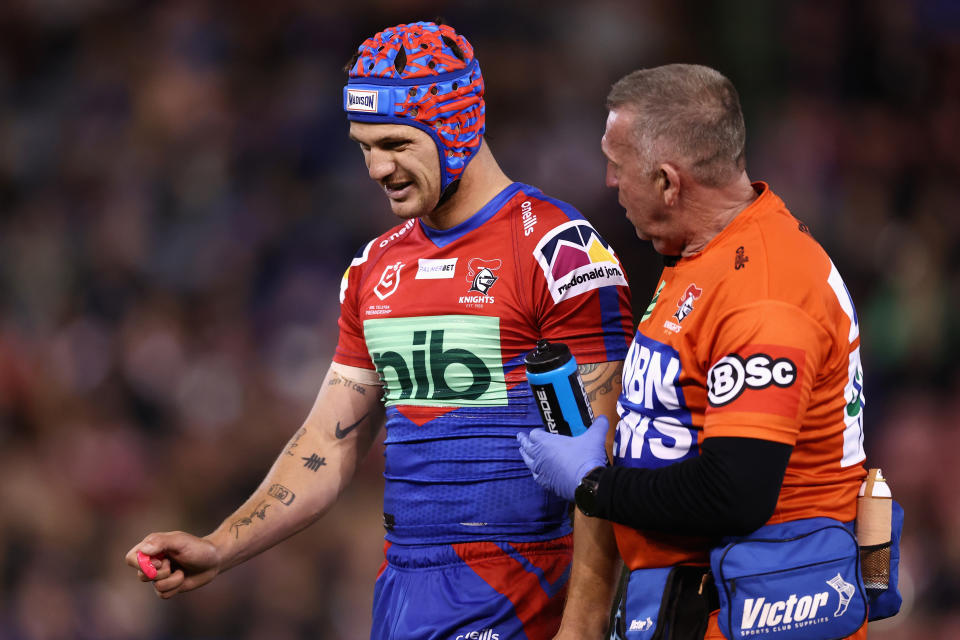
(443, 237)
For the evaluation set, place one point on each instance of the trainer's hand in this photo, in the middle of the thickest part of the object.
(559, 462)
(189, 562)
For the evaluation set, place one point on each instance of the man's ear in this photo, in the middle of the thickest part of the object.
(668, 179)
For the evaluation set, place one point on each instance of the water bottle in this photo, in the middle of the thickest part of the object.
(557, 389)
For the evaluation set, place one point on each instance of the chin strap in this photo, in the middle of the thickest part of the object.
(448, 193)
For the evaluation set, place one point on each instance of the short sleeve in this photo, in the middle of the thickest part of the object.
(351, 344)
(580, 293)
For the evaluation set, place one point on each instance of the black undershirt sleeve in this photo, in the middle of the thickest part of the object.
(731, 488)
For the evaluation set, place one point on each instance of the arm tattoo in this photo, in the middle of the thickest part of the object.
(260, 511)
(294, 440)
(314, 462)
(342, 433)
(350, 384)
(598, 378)
(281, 493)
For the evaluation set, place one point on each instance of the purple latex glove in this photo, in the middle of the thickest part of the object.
(559, 462)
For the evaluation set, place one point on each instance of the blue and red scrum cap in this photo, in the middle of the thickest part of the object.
(422, 75)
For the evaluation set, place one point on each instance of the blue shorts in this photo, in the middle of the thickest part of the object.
(472, 591)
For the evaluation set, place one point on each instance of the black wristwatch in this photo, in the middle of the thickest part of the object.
(585, 496)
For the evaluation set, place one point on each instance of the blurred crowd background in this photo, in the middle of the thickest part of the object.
(178, 201)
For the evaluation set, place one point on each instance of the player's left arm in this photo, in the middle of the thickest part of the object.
(596, 561)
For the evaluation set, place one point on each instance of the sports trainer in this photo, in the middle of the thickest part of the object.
(436, 316)
(742, 400)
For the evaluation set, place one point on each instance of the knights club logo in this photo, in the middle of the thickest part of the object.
(481, 274)
(685, 304)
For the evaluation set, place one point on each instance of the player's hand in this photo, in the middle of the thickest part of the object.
(559, 462)
(183, 562)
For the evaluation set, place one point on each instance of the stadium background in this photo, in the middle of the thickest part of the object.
(178, 200)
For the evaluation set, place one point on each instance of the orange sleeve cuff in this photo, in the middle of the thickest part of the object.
(748, 426)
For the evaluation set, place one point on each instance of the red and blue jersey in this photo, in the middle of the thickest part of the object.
(446, 318)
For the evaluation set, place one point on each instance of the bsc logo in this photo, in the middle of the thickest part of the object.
(728, 378)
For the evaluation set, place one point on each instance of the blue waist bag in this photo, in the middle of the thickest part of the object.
(795, 580)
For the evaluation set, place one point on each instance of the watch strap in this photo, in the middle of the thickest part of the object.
(586, 496)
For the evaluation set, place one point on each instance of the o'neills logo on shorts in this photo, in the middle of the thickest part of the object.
(362, 100)
(485, 634)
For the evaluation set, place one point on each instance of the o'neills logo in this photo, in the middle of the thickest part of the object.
(485, 634)
(528, 217)
(398, 234)
(362, 100)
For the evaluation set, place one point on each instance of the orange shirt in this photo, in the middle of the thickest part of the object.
(755, 336)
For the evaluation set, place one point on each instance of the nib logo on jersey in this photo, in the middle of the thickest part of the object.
(482, 275)
(655, 428)
(575, 259)
(438, 361)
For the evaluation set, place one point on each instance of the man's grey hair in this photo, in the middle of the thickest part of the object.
(685, 113)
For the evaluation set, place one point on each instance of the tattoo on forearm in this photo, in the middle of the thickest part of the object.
(598, 378)
(342, 433)
(281, 493)
(294, 440)
(350, 384)
(260, 511)
(314, 462)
